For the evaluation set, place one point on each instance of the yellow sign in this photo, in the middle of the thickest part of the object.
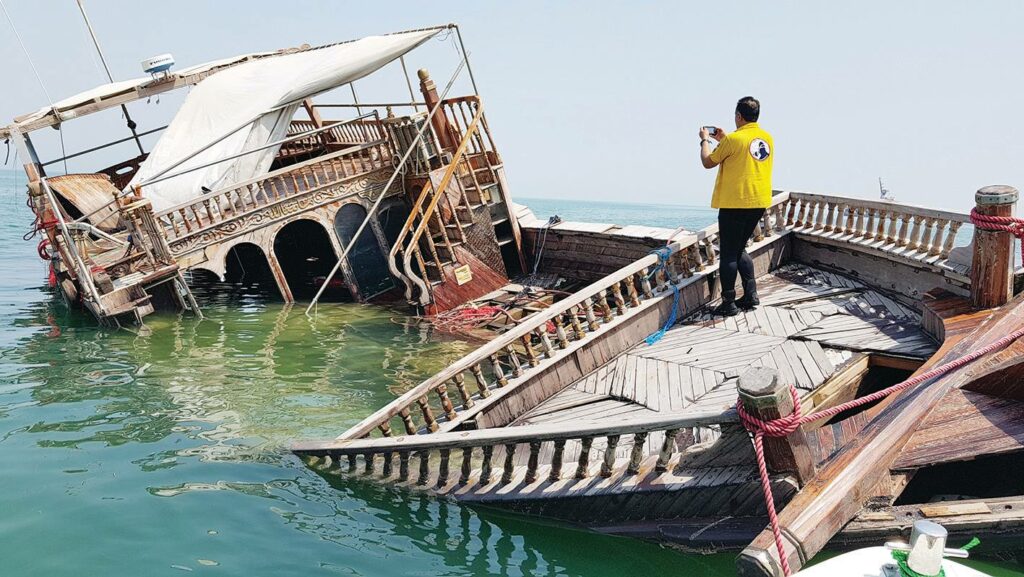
(463, 275)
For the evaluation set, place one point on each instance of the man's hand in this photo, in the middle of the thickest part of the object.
(719, 134)
(703, 133)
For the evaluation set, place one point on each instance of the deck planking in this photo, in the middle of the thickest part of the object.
(811, 323)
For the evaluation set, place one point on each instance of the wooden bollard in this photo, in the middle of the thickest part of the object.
(766, 397)
(992, 261)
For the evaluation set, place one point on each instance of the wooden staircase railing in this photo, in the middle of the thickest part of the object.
(426, 228)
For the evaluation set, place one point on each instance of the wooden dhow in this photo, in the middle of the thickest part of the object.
(411, 206)
(574, 415)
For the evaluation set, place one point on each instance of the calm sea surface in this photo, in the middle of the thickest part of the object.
(128, 455)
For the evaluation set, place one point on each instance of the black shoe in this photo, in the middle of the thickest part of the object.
(748, 302)
(749, 299)
(726, 309)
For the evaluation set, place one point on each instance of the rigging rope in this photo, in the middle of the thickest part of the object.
(25, 50)
(783, 426)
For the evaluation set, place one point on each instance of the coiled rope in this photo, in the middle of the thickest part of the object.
(1010, 224)
(784, 426)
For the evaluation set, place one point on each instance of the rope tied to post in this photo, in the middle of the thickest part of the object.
(664, 253)
(789, 424)
(1010, 224)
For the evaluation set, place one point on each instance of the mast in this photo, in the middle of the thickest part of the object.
(110, 77)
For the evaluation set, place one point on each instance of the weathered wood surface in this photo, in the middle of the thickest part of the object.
(990, 519)
(828, 502)
(965, 425)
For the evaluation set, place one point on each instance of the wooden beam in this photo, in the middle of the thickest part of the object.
(838, 492)
(965, 425)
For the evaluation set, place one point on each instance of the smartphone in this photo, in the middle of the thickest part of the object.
(711, 130)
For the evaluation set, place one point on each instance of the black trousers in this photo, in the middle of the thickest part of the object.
(735, 227)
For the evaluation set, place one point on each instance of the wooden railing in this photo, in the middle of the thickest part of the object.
(907, 231)
(479, 451)
(340, 134)
(239, 199)
(402, 133)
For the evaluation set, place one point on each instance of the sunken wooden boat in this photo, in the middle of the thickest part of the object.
(574, 415)
(253, 176)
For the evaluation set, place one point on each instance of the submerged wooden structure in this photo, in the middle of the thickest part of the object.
(427, 185)
(573, 415)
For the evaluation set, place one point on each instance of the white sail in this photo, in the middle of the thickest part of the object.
(254, 90)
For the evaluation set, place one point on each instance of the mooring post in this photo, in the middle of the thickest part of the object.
(766, 397)
(992, 261)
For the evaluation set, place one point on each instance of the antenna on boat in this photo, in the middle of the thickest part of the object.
(110, 77)
(884, 192)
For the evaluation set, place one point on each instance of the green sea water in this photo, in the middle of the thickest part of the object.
(124, 454)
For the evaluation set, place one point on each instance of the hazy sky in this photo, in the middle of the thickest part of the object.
(601, 100)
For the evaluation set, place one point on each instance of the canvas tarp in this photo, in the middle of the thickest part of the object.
(254, 90)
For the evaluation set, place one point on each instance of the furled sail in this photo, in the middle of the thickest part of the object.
(266, 91)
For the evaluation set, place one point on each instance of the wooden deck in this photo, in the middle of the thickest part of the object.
(811, 325)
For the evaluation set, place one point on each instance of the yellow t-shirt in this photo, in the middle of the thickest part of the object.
(745, 169)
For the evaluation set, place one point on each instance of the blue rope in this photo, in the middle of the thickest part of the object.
(663, 255)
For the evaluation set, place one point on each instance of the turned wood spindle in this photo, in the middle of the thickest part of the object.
(636, 456)
(608, 464)
(509, 465)
(667, 448)
(533, 462)
(583, 465)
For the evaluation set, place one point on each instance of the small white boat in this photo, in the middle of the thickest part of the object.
(924, 555)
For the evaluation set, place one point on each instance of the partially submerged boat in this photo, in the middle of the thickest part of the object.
(606, 411)
(411, 205)
(613, 407)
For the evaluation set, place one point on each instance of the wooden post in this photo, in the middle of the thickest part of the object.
(766, 397)
(439, 121)
(992, 262)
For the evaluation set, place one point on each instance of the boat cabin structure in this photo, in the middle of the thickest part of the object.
(393, 201)
(616, 407)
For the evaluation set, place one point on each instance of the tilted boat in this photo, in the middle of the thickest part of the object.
(250, 170)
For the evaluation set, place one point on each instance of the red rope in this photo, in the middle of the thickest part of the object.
(784, 426)
(1012, 225)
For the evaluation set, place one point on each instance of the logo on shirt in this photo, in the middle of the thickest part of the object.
(759, 149)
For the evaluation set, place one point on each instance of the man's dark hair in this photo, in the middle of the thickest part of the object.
(749, 108)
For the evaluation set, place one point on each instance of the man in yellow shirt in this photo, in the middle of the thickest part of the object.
(743, 190)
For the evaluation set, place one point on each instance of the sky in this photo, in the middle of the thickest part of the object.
(603, 100)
